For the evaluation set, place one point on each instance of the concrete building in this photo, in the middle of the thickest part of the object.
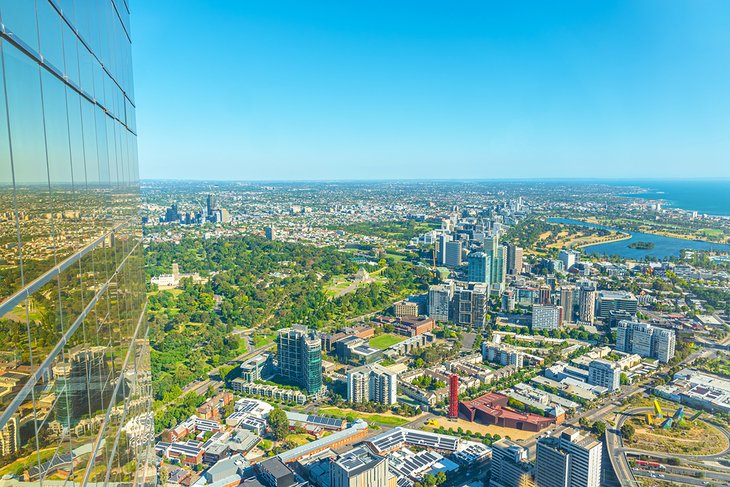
(441, 242)
(569, 258)
(359, 468)
(547, 317)
(509, 466)
(608, 301)
(439, 301)
(372, 383)
(503, 354)
(645, 340)
(453, 254)
(604, 373)
(567, 301)
(300, 358)
(587, 304)
(568, 460)
(480, 268)
(514, 259)
(471, 303)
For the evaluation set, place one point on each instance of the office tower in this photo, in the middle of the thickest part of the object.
(441, 242)
(546, 317)
(72, 278)
(480, 269)
(210, 205)
(608, 301)
(300, 358)
(509, 466)
(497, 255)
(567, 301)
(568, 460)
(569, 258)
(514, 259)
(645, 340)
(172, 214)
(439, 301)
(453, 254)
(372, 383)
(471, 302)
(604, 373)
(587, 304)
(359, 468)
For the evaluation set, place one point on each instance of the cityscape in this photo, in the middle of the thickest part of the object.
(208, 331)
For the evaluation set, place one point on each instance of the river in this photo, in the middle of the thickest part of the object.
(664, 247)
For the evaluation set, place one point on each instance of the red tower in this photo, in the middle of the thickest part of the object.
(454, 396)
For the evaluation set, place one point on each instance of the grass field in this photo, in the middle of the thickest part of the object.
(384, 419)
(386, 340)
(696, 438)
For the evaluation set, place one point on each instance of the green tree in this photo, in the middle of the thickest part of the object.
(599, 428)
(628, 431)
(279, 423)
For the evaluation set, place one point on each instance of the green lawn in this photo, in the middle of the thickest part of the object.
(386, 340)
(386, 420)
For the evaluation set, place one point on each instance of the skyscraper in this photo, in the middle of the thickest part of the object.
(453, 254)
(210, 204)
(74, 352)
(300, 357)
(568, 460)
(480, 268)
(567, 301)
(514, 259)
(587, 304)
(439, 301)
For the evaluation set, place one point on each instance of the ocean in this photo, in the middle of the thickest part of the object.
(704, 196)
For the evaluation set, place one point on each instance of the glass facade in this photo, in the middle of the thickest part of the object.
(75, 388)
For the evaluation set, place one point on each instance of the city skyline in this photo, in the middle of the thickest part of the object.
(284, 91)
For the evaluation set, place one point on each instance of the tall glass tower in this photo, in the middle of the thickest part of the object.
(75, 389)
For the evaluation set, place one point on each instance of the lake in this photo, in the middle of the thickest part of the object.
(664, 247)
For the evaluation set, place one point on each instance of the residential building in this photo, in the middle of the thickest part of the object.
(567, 301)
(503, 354)
(471, 302)
(587, 304)
(645, 340)
(439, 301)
(300, 358)
(568, 460)
(480, 268)
(372, 383)
(604, 373)
(569, 258)
(509, 467)
(441, 242)
(608, 301)
(514, 259)
(453, 254)
(547, 317)
(359, 468)
(73, 295)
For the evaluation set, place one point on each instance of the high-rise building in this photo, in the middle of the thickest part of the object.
(453, 254)
(645, 340)
(567, 301)
(300, 357)
(210, 204)
(497, 255)
(471, 302)
(359, 468)
(509, 467)
(514, 259)
(453, 396)
(439, 301)
(568, 460)
(72, 285)
(441, 248)
(372, 383)
(608, 301)
(270, 233)
(480, 268)
(604, 373)
(587, 304)
(547, 317)
(569, 258)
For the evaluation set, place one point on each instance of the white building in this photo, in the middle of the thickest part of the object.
(372, 383)
(568, 460)
(645, 340)
(604, 373)
(439, 301)
(546, 317)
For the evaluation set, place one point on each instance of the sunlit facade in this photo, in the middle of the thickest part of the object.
(75, 389)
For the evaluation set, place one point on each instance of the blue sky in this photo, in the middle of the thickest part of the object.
(265, 89)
